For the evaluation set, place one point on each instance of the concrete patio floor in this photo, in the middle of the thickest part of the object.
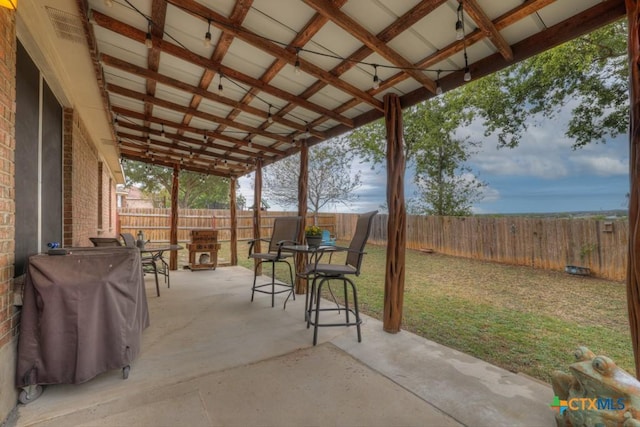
(211, 357)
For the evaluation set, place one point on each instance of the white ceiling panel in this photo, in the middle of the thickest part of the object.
(119, 33)
(374, 17)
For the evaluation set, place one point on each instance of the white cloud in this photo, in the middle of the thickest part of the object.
(601, 165)
(545, 152)
(542, 174)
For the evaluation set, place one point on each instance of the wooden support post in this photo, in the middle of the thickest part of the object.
(173, 233)
(633, 267)
(257, 217)
(396, 229)
(303, 186)
(234, 221)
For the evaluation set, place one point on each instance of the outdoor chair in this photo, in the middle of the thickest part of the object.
(148, 261)
(285, 232)
(147, 257)
(324, 273)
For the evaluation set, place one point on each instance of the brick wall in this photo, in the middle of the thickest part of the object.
(9, 315)
(80, 183)
(7, 146)
(81, 204)
(88, 188)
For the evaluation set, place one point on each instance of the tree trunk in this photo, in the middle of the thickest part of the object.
(396, 228)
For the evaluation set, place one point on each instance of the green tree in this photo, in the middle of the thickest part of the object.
(589, 75)
(331, 180)
(446, 185)
(194, 191)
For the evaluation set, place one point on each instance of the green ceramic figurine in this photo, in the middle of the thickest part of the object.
(596, 393)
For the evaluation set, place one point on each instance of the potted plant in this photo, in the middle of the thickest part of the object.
(313, 235)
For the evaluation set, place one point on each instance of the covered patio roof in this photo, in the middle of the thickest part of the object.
(146, 73)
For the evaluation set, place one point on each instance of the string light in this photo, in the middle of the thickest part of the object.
(467, 72)
(460, 35)
(459, 23)
(108, 3)
(220, 88)
(376, 80)
(296, 68)
(148, 41)
(207, 36)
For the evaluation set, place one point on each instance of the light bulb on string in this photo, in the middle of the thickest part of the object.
(108, 3)
(220, 88)
(459, 30)
(148, 41)
(270, 117)
(438, 87)
(467, 72)
(376, 80)
(207, 36)
(296, 67)
(459, 23)
(204, 137)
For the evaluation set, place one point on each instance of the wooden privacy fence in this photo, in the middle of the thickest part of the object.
(155, 222)
(549, 243)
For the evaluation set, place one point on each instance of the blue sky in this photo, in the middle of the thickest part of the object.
(543, 174)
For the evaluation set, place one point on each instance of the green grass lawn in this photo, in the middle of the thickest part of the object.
(522, 319)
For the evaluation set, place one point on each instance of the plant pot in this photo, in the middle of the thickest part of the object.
(314, 241)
